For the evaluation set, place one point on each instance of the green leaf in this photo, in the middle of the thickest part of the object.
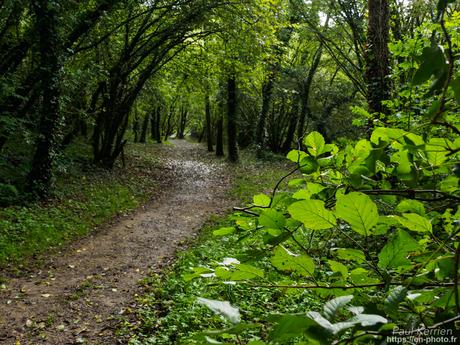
(408, 205)
(437, 151)
(312, 214)
(351, 254)
(433, 63)
(302, 194)
(272, 219)
(394, 298)
(450, 184)
(368, 320)
(284, 260)
(224, 231)
(358, 210)
(244, 271)
(296, 156)
(296, 182)
(261, 200)
(315, 144)
(332, 307)
(395, 252)
(327, 325)
(289, 326)
(310, 190)
(223, 308)
(308, 165)
(415, 222)
(315, 188)
(338, 267)
(365, 320)
(387, 134)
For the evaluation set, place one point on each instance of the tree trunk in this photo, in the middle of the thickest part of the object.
(158, 126)
(377, 57)
(168, 131)
(220, 137)
(305, 92)
(152, 126)
(40, 178)
(182, 124)
(136, 130)
(145, 129)
(292, 125)
(267, 90)
(207, 110)
(231, 120)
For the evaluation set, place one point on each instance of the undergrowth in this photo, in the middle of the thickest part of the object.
(84, 198)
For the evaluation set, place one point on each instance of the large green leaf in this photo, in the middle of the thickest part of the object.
(296, 156)
(415, 222)
(358, 210)
(312, 214)
(394, 298)
(338, 267)
(315, 144)
(395, 252)
(308, 165)
(349, 254)
(224, 231)
(408, 205)
(437, 151)
(289, 326)
(433, 63)
(261, 200)
(284, 260)
(365, 320)
(387, 134)
(331, 307)
(223, 308)
(272, 219)
(244, 271)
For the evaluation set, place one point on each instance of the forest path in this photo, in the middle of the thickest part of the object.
(76, 296)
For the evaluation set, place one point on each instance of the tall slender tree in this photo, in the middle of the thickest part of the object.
(377, 56)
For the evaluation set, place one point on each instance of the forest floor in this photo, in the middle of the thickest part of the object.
(77, 295)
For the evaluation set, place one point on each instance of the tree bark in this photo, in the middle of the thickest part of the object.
(40, 178)
(158, 125)
(267, 90)
(305, 92)
(231, 120)
(145, 128)
(207, 110)
(292, 125)
(220, 137)
(377, 57)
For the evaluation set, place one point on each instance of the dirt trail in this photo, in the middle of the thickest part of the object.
(76, 297)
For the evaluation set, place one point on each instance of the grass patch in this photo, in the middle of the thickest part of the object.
(168, 312)
(85, 197)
